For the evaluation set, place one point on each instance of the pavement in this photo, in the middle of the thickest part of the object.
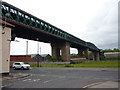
(14, 76)
(6, 79)
(107, 84)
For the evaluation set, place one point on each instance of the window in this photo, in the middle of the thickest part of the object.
(17, 63)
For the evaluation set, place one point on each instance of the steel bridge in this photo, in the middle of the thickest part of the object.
(27, 26)
(21, 19)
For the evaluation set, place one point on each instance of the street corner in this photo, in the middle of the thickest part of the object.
(13, 76)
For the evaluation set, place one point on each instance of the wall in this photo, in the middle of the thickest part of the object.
(21, 58)
(5, 36)
(112, 54)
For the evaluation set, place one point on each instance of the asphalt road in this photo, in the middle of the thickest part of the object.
(62, 77)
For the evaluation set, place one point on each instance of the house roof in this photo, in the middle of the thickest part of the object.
(34, 55)
(44, 55)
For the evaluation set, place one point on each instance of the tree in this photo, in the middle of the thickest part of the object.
(111, 50)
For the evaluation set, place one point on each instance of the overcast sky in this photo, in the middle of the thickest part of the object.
(94, 21)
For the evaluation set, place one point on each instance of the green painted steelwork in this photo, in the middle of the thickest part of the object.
(14, 14)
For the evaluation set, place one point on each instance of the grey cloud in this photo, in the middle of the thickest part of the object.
(103, 30)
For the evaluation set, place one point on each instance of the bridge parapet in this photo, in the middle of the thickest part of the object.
(16, 15)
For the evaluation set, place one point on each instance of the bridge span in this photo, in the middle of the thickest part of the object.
(15, 22)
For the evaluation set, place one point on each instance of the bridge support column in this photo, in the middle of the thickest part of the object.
(5, 37)
(55, 51)
(97, 56)
(86, 53)
(93, 55)
(80, 52)
(66, 51)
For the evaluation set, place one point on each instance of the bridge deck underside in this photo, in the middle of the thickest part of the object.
(31, 34)
(37, 35)
(26, 32)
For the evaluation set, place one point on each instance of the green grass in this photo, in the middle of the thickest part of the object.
(94, 64)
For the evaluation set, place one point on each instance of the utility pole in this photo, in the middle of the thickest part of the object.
(38, 51)
(26, 49)
(38, 48)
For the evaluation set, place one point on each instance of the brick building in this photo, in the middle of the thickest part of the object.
(33, 58)
(21, 58)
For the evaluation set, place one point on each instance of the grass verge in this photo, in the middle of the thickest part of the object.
(93, 64)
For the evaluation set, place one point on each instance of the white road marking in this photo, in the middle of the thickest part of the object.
(34, 80)
(26, 80)
(54, 79)
(31, 80)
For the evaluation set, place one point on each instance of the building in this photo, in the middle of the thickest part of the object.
(42, 57)
(36, 57)
(29, 58)
(21, 58)
(45, 56)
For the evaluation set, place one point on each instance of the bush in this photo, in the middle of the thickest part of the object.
(111, 50)
(60, 60)
(40, 65)
(55, 60)
(68, 65)
(72, 62)
(74, 54)
(52, 60)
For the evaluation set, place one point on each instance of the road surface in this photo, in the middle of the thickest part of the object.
(62, 77)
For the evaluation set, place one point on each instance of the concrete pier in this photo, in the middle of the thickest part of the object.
(64, 47)
(80, 52)
(86, 53)
(66, 51)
